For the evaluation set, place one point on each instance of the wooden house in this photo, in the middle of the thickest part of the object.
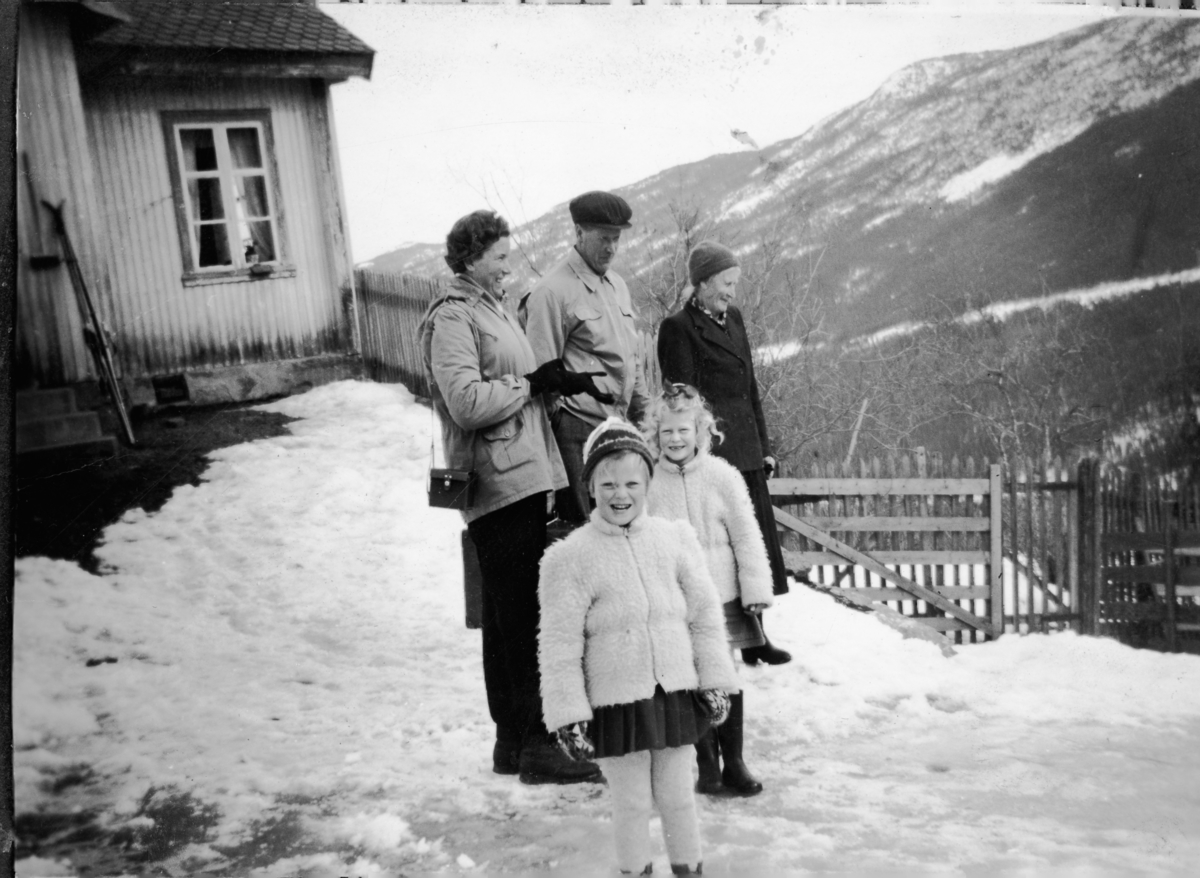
(192, 148)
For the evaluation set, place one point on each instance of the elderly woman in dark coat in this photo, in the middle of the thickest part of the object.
(487, 390)
(705, 345)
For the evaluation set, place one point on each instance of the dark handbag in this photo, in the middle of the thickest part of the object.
(452, 488)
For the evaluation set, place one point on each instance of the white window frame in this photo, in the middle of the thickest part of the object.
(219, 123)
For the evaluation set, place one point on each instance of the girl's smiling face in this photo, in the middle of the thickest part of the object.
(619, 485)
(677, 436)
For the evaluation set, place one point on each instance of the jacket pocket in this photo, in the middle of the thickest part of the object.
(587, 311)
(501, 444)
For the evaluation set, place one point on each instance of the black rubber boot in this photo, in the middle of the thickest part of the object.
(735, 776)
(541, 761)
(768, 654)
(708, 760)
(685, 869)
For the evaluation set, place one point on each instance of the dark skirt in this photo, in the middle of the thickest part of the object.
(764, 513)
(743, 629)
(667, 719)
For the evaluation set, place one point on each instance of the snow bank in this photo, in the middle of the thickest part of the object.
(284, 646)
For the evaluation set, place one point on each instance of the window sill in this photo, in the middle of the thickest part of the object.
(237, 276)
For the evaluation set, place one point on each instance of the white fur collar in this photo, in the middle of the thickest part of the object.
(616, 530)
(675, 469)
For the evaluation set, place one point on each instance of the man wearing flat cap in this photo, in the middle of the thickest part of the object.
(581, 312)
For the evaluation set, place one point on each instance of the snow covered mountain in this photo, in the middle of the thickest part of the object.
(964, 180)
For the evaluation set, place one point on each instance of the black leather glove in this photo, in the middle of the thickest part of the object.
(553, 377)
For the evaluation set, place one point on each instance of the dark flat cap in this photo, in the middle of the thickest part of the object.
(601, 209)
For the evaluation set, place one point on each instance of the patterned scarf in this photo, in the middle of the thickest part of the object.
(718, 319)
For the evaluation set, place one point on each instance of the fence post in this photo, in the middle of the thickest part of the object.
(996, 549)
(1088, 479)
(1169, 583)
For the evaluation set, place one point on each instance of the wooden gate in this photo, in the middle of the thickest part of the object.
(1140, 558)
(1041, 547)
(927, 545)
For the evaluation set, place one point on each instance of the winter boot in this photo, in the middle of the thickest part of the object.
(504, 757)
(768, 654)
(707, 760)
(541, 761)
(685, 869)
(506, 750)
(735, 776)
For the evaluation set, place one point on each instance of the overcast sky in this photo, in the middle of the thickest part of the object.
(520, 108)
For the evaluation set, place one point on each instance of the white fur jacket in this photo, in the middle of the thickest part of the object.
(712, 495)
(623, 609)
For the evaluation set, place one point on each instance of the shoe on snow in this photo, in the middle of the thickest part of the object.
(504, 758)
(544, 762)
(768, 655)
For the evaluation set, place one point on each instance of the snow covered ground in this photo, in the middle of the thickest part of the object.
(291, 664)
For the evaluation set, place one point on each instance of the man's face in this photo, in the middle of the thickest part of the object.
(597, 245)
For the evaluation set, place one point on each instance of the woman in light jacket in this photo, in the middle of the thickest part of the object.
(487, 391)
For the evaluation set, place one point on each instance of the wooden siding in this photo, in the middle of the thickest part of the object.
(51, 133)
(163, 326)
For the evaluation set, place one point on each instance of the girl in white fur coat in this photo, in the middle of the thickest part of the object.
(632, 651)
(692, 485)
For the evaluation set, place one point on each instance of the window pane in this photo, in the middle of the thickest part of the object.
(252, 197)
(205, 193)
(214, 245)
(258, 244)
(243, 146)
(199, 153)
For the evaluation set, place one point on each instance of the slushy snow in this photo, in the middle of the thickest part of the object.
(291, 652)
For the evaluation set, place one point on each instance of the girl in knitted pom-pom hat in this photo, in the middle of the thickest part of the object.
(634, 662)
(694, 486)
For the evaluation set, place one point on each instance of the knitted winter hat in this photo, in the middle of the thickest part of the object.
(614, 435)
(708, 258)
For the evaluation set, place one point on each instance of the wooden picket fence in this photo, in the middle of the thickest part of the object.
(912, 533)
(390, 306)
(1140, 557)
(1034, 547)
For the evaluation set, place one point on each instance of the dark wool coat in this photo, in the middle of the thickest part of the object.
(693, 349)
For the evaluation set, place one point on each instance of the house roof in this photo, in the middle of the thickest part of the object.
(267, 30)
(272, 25)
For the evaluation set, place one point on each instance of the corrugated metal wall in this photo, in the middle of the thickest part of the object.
(52, 134)
(163, 326)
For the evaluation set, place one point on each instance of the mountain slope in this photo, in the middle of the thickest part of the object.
(961, 181)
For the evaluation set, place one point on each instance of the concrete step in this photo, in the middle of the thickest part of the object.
(55, 459)
(34, 404)
(58, 431)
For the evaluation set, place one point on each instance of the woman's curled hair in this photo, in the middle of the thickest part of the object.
(471, 237)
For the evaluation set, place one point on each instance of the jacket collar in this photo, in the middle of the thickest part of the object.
(675, 469)
(584, 272)
(723, 338)
(615, 530)
(465, 288)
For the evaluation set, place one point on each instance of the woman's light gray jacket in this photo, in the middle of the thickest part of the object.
(475, 354)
